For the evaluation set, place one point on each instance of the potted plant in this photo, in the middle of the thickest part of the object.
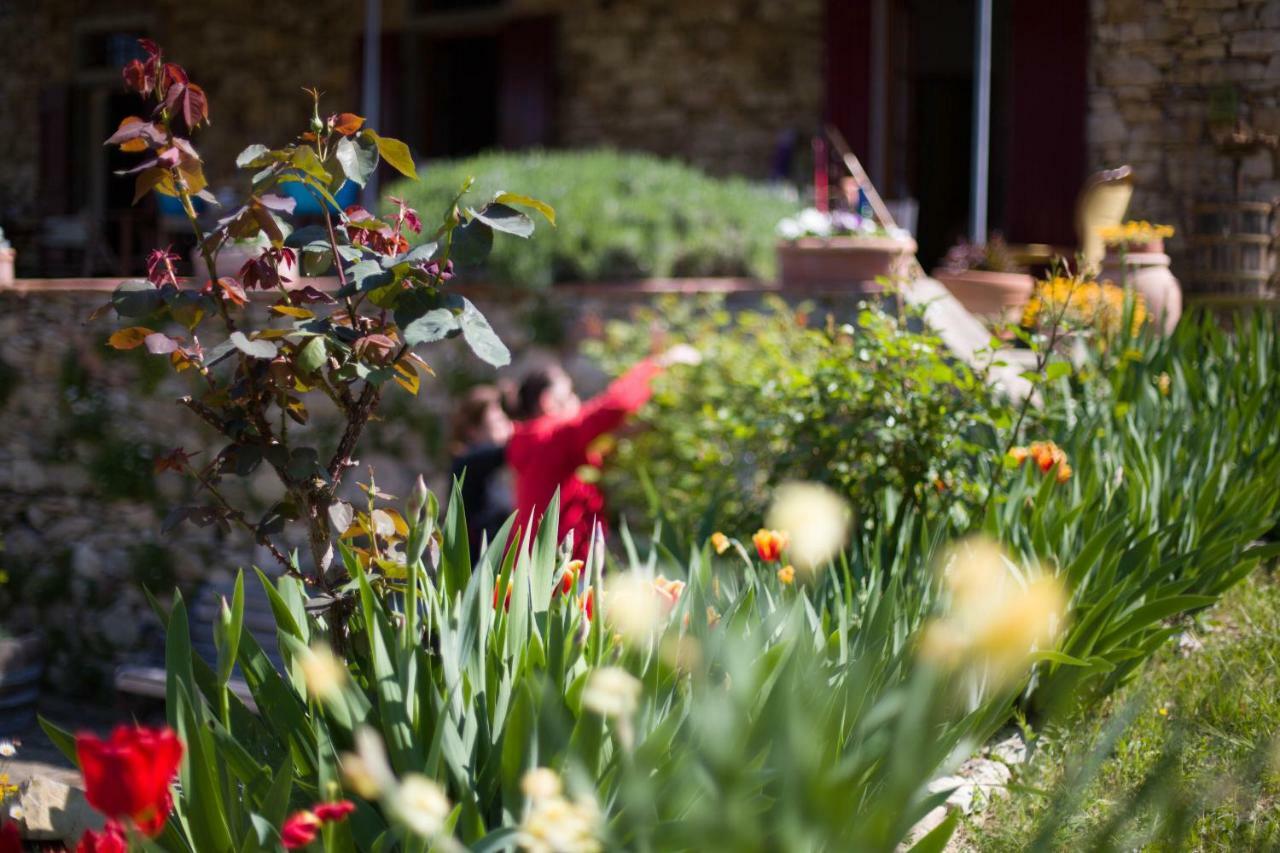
(841, 249)
(21, 669)
(7, 254)
(985, 277)
(1136, 258)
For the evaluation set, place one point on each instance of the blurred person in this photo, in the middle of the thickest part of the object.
(555, 445)
(480, 432)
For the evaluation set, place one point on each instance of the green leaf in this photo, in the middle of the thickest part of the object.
(251, 348)
(1057, 370)
(357, 161)
(508, 220)
(935, 841)
(527, 201)
(62, 739)
(472, 243)
(396, 153)
(253, 157)
(311, 356)
(228, 638)
(484, 342)
(425, 317)
(136, 298)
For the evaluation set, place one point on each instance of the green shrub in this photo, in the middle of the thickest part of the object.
(879, 411)
(618, 216)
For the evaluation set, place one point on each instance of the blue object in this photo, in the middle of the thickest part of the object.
(308, 204)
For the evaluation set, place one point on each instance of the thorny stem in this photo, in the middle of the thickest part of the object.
(238, 517)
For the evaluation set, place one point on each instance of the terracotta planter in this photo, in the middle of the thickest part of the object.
(844, 262)
(6, 265)
(1148, 273)
(21, 669)
(988, 294)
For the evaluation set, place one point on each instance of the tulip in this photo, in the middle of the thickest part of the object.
(769, 544)
(302, 827)
(128, 776)
(111, 840)
(816, 521)
(720, 542)
(10, 840)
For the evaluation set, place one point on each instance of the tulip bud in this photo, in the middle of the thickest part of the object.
(417, 498)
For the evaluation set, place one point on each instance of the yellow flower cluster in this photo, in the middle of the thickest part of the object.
(1134, 231)
(997, 617)
(1085, 303)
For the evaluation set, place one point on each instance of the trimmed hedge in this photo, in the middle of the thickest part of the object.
(618, 216)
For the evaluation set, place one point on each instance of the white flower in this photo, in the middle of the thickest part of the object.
(612, 692)
(323, 672)
(790, 229)
(815, 519)
(556, 825)
(421, 805)
(815, 222)
(632, 607)
(7, 749)
(540, 783)
(16, 812)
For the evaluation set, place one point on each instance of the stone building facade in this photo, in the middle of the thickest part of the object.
(721, 83)
(1161, 72)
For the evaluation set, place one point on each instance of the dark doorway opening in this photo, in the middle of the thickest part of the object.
(460, 95)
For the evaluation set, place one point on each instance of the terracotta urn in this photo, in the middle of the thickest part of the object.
(1145, 268)
(854, 263)
(998, 295)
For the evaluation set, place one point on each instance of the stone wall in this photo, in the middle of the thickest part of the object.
(1156, 67)
(716, 82)
(81, 508)
(252, 57)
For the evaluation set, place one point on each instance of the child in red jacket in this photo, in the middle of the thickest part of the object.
(554, 435)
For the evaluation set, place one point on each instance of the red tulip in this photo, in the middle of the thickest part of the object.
(299, 830)
(111, 840)
(10, 840)
(302, 827)
(769, 544)
(334, 811)
(128, 776)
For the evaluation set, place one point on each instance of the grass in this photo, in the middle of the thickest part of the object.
(1193, 763)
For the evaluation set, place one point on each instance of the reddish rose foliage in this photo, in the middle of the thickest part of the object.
(128, 775)
(111, 840)
(264, 270)
(160, 266)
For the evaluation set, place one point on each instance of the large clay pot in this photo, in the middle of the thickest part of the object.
(999, 295)
(1148, 273)
(21, 669)
(844, 262)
